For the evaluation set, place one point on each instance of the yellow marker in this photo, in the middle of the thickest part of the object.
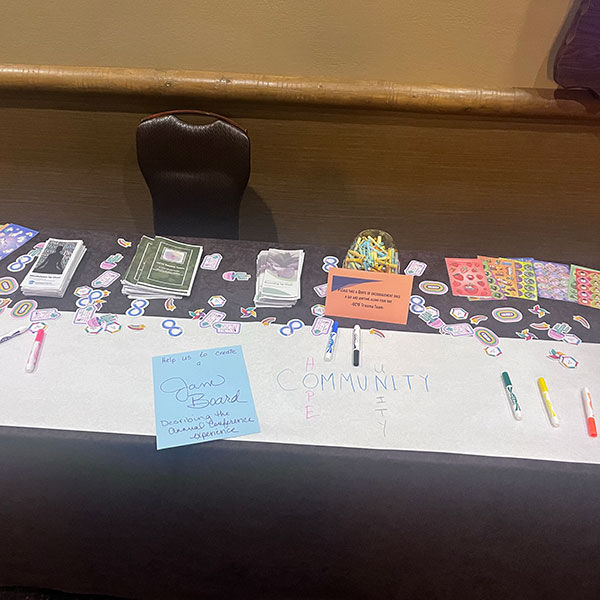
(549, 408)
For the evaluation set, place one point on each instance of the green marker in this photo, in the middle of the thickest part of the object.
(514, 403)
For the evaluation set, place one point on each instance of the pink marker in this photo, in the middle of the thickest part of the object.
(34, 354)
(589, 413)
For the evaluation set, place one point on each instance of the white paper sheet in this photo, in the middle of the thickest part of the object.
(443, 394)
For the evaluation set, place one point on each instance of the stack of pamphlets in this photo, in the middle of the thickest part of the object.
(52, 271)
(161, 268)
(278, 274)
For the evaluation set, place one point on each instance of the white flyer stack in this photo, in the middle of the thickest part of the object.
(52, 271)
(278, 277)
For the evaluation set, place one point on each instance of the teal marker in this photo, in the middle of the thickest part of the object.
(514, 403)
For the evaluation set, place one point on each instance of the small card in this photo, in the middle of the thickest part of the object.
(584, 286)
(105, 279)
(227, 327)
(202, 395)
(211, 262)
(368, 295)
(44, 314)
(415, 267)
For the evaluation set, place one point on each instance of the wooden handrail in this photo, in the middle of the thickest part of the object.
(517, 103)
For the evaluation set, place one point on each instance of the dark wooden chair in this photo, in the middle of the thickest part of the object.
(196, 173)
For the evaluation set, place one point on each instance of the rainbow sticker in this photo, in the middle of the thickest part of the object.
(437, 288)
(582, 320)
(136, 327)
(507, 314)
(486, 336)
(4, 302)
(268, 320)
(377, 332)
(8, 285)
(23, 308)
(170, 304)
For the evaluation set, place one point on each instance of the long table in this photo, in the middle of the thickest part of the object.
(107, 513)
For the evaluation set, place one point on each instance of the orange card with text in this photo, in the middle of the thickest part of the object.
(368, 295)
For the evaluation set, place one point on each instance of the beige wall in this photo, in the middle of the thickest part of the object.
(472, 43)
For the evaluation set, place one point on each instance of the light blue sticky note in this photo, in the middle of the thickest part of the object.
(202, 395)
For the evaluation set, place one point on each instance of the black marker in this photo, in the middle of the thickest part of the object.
(356, 345)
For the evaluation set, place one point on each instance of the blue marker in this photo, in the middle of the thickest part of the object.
(331, 342)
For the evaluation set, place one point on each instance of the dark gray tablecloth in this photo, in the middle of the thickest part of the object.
(100, 513)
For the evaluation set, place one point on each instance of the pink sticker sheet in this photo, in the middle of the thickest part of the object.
(468, 277)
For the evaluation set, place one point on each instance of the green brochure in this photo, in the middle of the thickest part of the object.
(168, 265)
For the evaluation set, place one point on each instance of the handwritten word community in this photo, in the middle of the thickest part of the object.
(289, 381)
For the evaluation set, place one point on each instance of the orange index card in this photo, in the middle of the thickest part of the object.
(368, 295)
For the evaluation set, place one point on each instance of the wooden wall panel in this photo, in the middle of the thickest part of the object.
(448, 183)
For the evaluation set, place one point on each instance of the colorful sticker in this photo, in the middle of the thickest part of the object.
(212, 317)
(111, 261)
(437, 288)
(35, 327)
(4, 302)
(525, 334)
(248, 312)
(493, 351)
(539, 311)
(8, 285)
(581, 320)
(476, 319)
(321, 326)
(416, 304)
(211, 262)
(292, 326)
(83, 315)
(415, 267)
(172, 328)
(571, 338)
(329, 262)
(236, 276)
(20, 263)
(569, 362)
(94, 297)
(321, 290)
(486, 336)
(137, 307)
(170, 304)
(376, 332)
(44, 314)
(458, 330)
(197, 314)
(227, 327)
(217, 301)
(136, 327)
(543, 326)
(105, 279)
(83, 291)
(22, 308)
(113, 327)
(124, 243)
(459, 313)
(318, 310)
(268, 320)
(507, 314)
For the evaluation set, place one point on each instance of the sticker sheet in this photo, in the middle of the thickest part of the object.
(552, 280)
(468, 278)
(584, 286)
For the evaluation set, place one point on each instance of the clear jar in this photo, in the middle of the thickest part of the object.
(373, 250)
